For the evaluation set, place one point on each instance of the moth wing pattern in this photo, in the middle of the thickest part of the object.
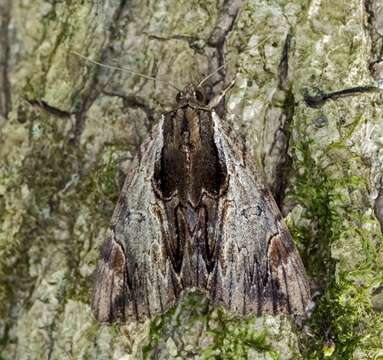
(130, 274)
(258, 268)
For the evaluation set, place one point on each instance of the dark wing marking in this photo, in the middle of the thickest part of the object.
(110, 294)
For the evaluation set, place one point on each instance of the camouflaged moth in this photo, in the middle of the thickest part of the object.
(195, 213)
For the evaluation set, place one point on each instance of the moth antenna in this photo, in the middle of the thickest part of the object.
(210, 75)
(124, 70)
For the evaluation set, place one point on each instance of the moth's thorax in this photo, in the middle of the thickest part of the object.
(189, 165)
(192, 120)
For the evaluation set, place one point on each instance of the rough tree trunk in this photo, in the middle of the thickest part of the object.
(68, 129)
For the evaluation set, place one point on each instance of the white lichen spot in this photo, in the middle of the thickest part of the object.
(72, 182)
(36, 131)
(171, 347)
(124, 357)
(291, 12)
(366, 142)
(272, 324)
(25, 193)
(253, 44)
(252, 112)
(45, 46)
(314, 9)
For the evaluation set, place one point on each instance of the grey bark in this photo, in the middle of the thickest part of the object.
(69, 129)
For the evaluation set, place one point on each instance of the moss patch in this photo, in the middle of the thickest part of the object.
(340, 245)
(195, 327)
(235, 338)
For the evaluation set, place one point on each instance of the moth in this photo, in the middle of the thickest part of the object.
(194, 213)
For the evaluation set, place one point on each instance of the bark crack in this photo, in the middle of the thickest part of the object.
(5, 86)
(96, 84)
(283, 68)
(280, 144)
(375, 58)
(50, 109)
(217, 39)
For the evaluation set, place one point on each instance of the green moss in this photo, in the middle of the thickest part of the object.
(335, 321)
(102, 184)
(160, 327)
(155, 330)
(234, 338)
(339, 246)
(224, 336)
(315, 191)
(344, 319)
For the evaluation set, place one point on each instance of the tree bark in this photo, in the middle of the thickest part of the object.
(69, 128)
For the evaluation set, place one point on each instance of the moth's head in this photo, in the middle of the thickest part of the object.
(191, 95)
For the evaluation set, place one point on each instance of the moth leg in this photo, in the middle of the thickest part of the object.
(110, 293)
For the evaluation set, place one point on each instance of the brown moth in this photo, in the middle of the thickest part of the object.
(195, 213)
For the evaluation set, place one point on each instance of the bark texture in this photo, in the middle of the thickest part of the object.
(69, 129)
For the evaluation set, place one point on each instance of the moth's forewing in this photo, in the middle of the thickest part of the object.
(257, 250)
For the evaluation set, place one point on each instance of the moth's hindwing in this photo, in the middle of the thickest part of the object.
(195, 213)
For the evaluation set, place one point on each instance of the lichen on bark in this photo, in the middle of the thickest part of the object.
(68, 130)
